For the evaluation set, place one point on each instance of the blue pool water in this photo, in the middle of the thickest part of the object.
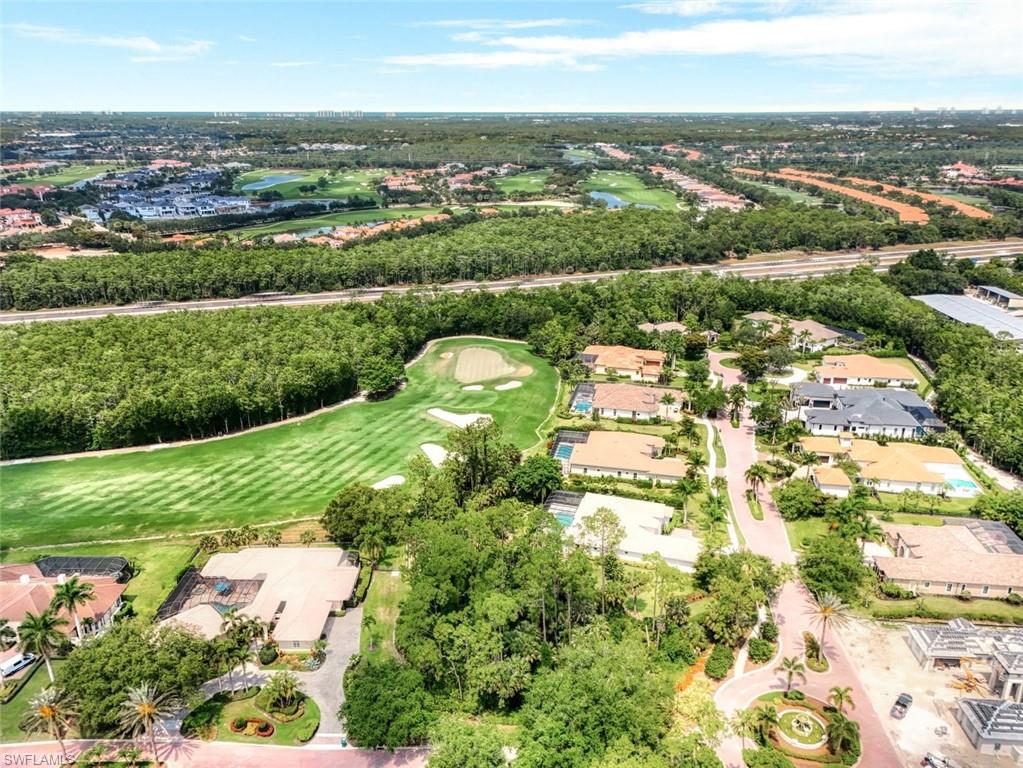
(583, 406)
(957, 482)
(563, 451)
(565, 518)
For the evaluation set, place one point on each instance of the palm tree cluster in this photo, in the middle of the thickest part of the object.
(283, 690)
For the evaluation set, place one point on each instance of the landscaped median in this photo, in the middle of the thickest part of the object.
(806, 729)
(256, 715)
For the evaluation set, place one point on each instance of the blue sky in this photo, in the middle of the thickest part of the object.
(646, 55)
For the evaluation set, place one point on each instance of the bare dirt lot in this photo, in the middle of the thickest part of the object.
(887, 668)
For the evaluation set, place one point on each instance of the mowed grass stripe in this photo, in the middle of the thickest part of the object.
(279, 473)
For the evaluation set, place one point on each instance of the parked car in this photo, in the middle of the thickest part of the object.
(901, 706)
(16, 663)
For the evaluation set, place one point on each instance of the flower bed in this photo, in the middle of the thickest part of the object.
(252, 726)
(802, 728)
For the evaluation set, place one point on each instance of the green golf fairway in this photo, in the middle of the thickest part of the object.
(277, 473)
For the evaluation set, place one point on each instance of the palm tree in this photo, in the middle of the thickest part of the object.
(828, 611)
(40, 635)
(668, 400)
(842, 733)
(144, 708)
(756, 475)
(371, 543)
(766, 721)
(272, 537)
(208, 543)
(720, 485)
(8, 637)
(51, 712)
(71, 594)
(867, 529)
(792, 667)
(685, 489)
(307, 538)
(714, 514)
(695, 461)
(841, 696)
(809, 458)
(744, 724)
(283, 689)
(736, 401)
(248, 535)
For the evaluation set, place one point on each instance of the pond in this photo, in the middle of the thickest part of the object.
(271, 181)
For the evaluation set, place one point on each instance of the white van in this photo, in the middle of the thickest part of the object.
(16, 663)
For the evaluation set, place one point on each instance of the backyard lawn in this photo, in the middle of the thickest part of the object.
(282, 472)
(530, 181)
(12, 712)
(382, 602)
(943, 608)
(340, 184)
(158, 562)
(799, 530)
(630, 190)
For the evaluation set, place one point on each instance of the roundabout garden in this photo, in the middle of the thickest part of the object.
(806, 731)
(277, 713)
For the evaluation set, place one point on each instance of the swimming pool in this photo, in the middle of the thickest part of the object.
(563, 451)
(565, 518)
(958, 482)
(582, 406)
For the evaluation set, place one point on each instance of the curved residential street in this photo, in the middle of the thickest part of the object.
(769, 537)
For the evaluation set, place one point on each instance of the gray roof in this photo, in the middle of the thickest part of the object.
(995, 718)
(903, 397)
(967, 309)
(814, 390)
(1001, 292)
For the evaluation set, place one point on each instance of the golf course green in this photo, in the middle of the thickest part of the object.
(630, 189)
(280, 472)
(340, 184)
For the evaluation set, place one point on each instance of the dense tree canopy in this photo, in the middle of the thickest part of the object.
(495, 248)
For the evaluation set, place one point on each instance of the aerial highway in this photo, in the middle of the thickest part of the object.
(798, 266)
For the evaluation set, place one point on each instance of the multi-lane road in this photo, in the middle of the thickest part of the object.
(773, 268)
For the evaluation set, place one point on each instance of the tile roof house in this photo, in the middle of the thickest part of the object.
(637, 364)
(831, 480)
(898, 467)
(673, 326)
(981, 557)
(807, 335)
(296, 589)
(628, 401)
(899, 413)
(618, 454)
(844, 371)
(643, 521)
(24, 589)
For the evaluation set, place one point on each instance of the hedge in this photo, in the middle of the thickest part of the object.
(720, 661)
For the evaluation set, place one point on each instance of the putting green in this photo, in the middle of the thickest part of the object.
(282, 472)
(529, 181)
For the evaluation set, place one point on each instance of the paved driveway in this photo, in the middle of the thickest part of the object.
(324, 685)
(768, 537)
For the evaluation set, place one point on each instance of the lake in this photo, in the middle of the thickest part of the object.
(613, 201)
(271, 181)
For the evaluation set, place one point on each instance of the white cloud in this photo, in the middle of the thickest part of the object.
(291, 64)
(678, 7)
(936, 39)
(489, 25)
(144, 48)
(247, 39)
(484, 60)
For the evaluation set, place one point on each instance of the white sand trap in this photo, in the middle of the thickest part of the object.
(457, 419)
(513, 384)
(479, 364)
(446, 355)
(435, 453)
(472, 387)
(389, 481)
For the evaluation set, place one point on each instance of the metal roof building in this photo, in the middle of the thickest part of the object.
(965, 309)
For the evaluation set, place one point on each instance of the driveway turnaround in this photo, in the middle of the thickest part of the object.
(791, 610)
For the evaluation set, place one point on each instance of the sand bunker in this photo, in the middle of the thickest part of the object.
(473, 387)
(435, 453)
(514, 384)
(457, 419)
(446, 355)
(388, 481)
(479, 364)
